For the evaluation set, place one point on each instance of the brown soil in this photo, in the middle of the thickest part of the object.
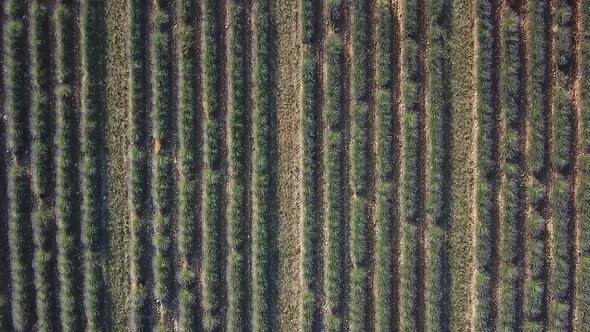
(116, 159)
(289, 133)
(463, 164)
(578, 150)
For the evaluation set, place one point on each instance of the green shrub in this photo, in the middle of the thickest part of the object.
(190, 158)
(43, 120)
(68, 173)
(5, 274)
(485, 240)
(141, 308)
(512, 191)
(438, 109)
(165, 191)
(386, 199)
(312, 191)
(265, 223)
(409, 272)
(240, 158)
(214, 217)
(562, 254)
(336, 212)
(93, 163)
(536, 160)
(582, 301)
(537, 50)
(18, 109)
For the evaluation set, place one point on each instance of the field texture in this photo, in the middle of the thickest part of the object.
(295, 165)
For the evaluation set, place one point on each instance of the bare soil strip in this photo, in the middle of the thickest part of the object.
(116, 146)
(289, 135)
(574, 176)
(473, 163)
(579, 152)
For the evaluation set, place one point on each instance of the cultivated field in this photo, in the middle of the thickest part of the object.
(295, 165)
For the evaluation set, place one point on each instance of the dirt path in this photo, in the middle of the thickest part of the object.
(116, 159)
(289, 134)
(578, 152)
(463, 164)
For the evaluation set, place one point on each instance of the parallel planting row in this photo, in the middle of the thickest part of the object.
(56, 213)
(377, 159)
(528, 119)
(178, 111)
